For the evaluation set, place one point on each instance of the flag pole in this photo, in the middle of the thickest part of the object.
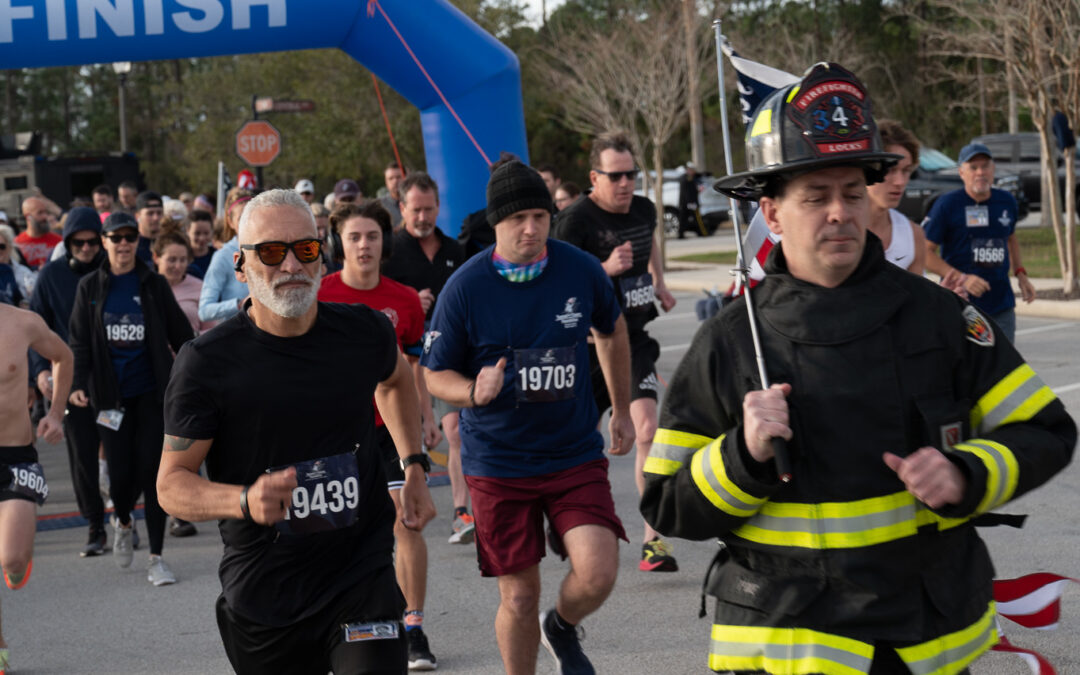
(780, 453)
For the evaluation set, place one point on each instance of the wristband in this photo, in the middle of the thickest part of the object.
(472, 394)
(244, 504)
(1020, 270)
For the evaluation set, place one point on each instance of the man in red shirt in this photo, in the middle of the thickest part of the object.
(366, 238)
(38, 240)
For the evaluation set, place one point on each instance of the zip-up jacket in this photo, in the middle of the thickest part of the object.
(166, 327)
(841, 561)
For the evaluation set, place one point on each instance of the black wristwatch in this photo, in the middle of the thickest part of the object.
(419, 458)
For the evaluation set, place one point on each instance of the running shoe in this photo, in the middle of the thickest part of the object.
(158, 573)
(464, 529)
(181, 528)
(565, 646)
(420, 656)
(134, 530)
(656, 557)
(95, 545)
(122, 550)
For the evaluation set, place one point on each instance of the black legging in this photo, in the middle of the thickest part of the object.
(81, 434)
(134, 452)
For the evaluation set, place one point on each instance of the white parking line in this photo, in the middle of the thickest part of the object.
(681, 315)
(1042, 329)
(1068, 387)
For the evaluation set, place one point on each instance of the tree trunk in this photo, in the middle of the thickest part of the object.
(1010, 79)
(1051, 203)
(658, 187)
(1070, 219)
(697, 125)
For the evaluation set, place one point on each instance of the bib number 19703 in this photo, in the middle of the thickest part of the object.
(544, 374)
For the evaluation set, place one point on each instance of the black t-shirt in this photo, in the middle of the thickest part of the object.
(594, 230)
(267, 402)
(409, 264)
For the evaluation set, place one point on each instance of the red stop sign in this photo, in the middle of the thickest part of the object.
(258, 143)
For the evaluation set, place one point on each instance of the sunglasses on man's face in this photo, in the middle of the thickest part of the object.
(130, 237)
(82, 243)
(616, 176)
(273, 252)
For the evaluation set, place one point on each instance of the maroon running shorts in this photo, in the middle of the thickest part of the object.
(510, 513)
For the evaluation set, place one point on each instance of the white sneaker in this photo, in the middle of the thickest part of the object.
(122, 551)
(158, 573)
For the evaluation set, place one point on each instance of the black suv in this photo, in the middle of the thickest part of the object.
(937, 174)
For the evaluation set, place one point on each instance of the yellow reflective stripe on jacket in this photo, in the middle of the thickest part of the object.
(796, 651)
(1002, 471)
(671, 449)
(949, 654)
(710, 477)
(832, 525)
(1018, 397)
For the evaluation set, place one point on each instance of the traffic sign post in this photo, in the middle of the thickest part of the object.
(258, 143)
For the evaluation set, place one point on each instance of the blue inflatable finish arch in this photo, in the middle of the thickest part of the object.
(478, 76)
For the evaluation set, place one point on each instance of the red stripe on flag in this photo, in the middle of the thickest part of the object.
(1046, 618)
(1036, 661)
(1006, 590)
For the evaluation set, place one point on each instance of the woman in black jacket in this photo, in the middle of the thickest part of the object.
(124, 330)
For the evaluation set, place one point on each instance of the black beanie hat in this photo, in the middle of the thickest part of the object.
(515, 187)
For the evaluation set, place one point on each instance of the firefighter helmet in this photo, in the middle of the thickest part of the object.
(824, 120)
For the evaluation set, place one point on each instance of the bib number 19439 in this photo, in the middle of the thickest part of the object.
(326, 495)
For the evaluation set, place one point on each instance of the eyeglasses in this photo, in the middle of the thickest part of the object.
(274, 252)
(3, 246)
(82, 243)
(616, 176)
(130, 237)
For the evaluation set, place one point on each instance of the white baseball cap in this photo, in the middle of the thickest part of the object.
(3, 216)
(304, 185)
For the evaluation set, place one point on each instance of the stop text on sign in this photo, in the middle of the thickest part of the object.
(258, 143)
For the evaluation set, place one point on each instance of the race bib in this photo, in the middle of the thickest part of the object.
(638, 293)
(28, 480)
(545, 375)
(111, 419)
(326, 495)
(988, 252)
(125, 331)
(977, 216)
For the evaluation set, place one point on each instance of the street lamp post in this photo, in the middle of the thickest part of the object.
(122, 68)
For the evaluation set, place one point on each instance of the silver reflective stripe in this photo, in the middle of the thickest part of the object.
(793, 652)
(847, 525)
(953, 656)
(994, 417)
(710, 472)
(673, 453)
(1002, 477)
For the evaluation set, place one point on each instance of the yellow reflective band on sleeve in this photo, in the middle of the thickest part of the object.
(795, 651)
(707, 470)
(1018, 397)
(950, 654)
(925, 516)
(671, 449)
(855, 524)
(660, 466)
(763, 123)
(1002, 471)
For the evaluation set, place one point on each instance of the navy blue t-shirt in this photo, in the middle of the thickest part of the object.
(125, 332)
(544, 419)
(200, 264)
(974, 237)
(9, 289)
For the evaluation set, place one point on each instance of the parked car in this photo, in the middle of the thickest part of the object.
(937, 174)
(1021, 154)
(713, 205)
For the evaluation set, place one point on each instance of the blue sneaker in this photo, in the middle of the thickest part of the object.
(565, 645)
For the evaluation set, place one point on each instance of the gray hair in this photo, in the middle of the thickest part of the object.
(7, 233)
(270, 199)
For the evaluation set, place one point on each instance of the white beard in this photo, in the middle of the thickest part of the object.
(287, 303)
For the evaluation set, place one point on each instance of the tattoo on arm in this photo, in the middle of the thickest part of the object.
(177, 444)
